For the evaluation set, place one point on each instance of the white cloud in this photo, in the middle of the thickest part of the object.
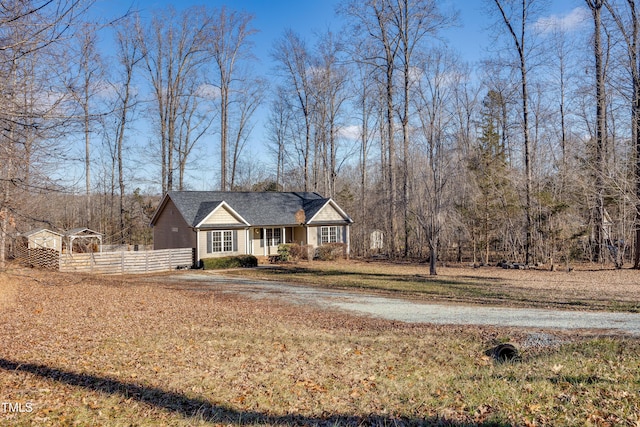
(209, 91)
(571, 21)
(350, 132)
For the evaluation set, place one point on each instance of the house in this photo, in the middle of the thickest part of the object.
(43, 238)
(217, 223)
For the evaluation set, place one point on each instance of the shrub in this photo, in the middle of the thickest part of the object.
(284, 252)
(292, 252)
(331, 251)
(239, 261)
(301, 252)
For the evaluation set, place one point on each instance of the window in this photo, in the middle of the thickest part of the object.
(221, 241)
(227, 242)
(274, 236)
(330, 234)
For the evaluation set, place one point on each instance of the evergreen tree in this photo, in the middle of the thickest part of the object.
(495, 199)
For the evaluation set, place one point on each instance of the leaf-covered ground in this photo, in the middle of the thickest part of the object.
(88, 350)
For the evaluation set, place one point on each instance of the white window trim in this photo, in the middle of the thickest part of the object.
(220, 241)
(274, 236)
(330, 234)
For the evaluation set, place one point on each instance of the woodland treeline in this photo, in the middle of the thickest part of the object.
(530, 154)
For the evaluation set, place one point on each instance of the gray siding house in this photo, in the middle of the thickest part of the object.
(217, 223)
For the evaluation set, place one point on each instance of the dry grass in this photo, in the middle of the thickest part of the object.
(83, 350)
(583, 288)
(8, 291)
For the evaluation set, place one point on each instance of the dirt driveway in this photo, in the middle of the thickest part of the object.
(412, 311)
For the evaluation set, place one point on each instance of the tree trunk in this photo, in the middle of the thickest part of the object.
(87, 161)
(405, 122)
(433, 257)
(599, 163)
(631, 39)
(519, 42)
(224, 124)
(636, 256)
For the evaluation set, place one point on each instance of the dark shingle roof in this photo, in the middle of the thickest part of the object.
(257, 208)
(204, 210)
(313, 206)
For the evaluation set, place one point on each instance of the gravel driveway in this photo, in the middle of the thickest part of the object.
(412, 311)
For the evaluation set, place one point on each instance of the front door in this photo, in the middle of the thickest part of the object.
(273, 238)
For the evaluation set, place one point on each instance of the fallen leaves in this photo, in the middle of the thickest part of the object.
(116, 349)
(311, 386)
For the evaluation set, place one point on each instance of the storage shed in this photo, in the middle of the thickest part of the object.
(40, 238)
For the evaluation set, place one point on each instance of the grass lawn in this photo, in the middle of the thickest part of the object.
(90, 350)
(584, 289)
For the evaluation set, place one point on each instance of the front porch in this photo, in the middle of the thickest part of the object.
(265, 240)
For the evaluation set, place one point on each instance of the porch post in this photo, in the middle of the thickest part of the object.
(264, 240)
(284, 235)
(348, 240)
(308, 243)
(197, 257)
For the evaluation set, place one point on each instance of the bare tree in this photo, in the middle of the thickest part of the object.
(194, 121)
(129, 55)
(364, 88)
(279, 132)
(248, 97)
(28, 28)
(433, 109)
(465, 104)
(83, 87)
(381, 48)
(329, 81)
(229, 43)
(629, 29)
(595, 6)
(516, 20)
(414, 21)
(175, 51)
(294, 62)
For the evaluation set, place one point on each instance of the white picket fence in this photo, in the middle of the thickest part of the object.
(125, 262)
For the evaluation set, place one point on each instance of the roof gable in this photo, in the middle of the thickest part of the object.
(329, 211)
(40, 231)
(217, 213)
(82, 231)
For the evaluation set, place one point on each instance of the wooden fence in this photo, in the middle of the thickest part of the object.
(127, 262)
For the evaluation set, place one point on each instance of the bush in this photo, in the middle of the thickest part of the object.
(239, 261)
(284, 252)
(301, 252)
(293, 252)
(331, 251)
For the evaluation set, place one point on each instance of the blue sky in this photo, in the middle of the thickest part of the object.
(271, 18)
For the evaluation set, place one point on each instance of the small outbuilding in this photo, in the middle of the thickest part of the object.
(42, 238)
(376, 240)
(83, 240)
